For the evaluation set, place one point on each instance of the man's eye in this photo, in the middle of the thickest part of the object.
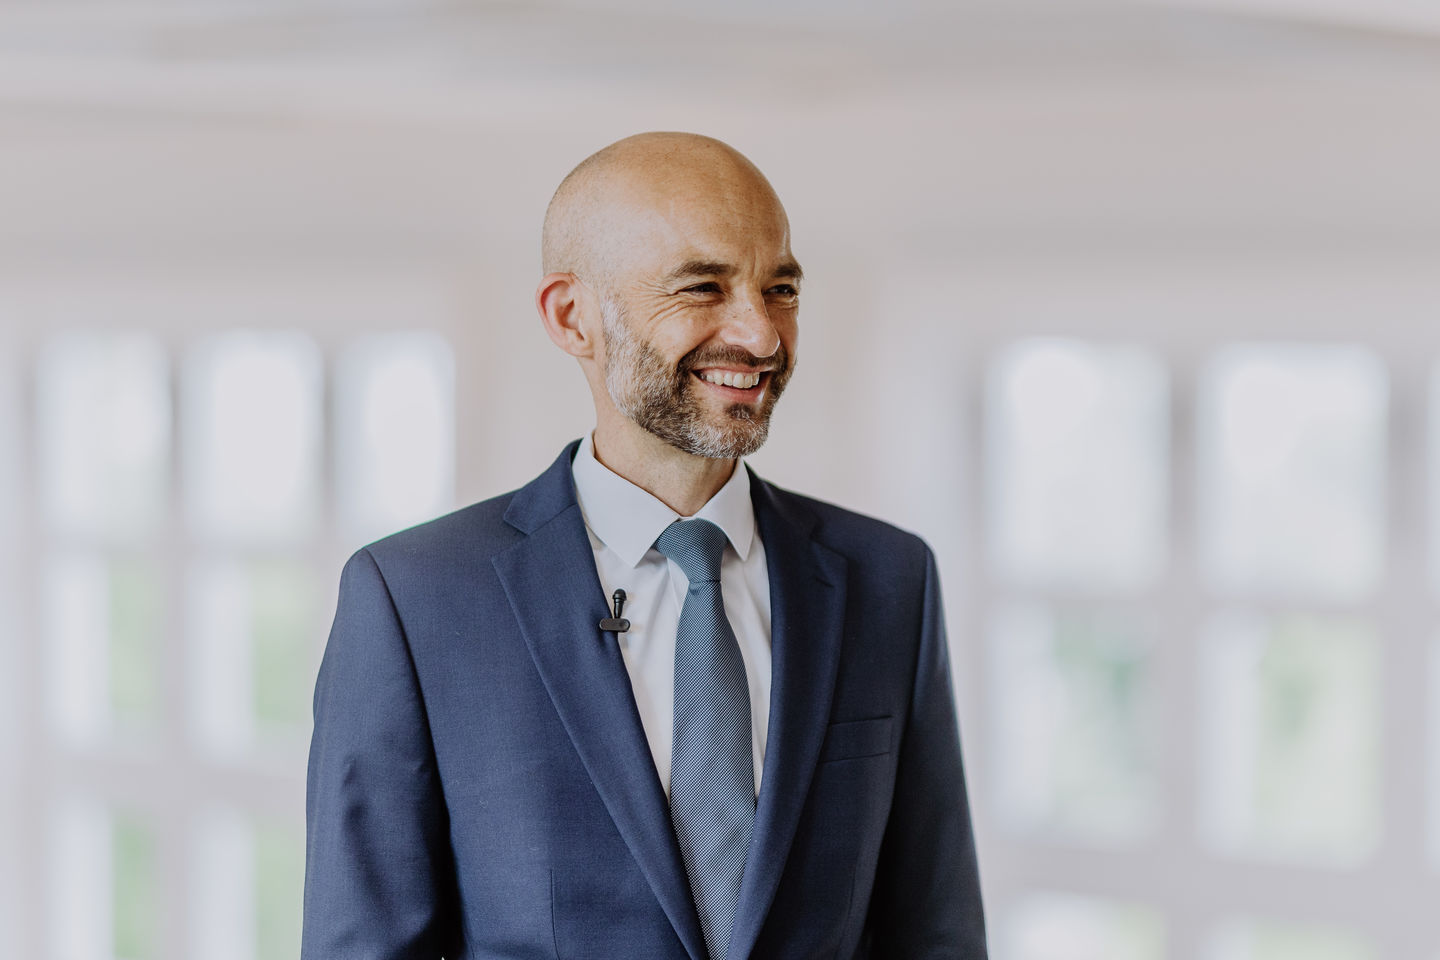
(707, 287)
(785, 290)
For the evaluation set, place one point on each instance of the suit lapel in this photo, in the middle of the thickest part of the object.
(807, 604)
(550, 581)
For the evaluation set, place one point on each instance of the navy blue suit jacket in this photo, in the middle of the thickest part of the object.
(480, 785)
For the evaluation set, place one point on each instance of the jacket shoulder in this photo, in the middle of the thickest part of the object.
(857, 536)
(471, 533)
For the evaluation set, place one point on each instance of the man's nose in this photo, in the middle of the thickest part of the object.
(748, 325)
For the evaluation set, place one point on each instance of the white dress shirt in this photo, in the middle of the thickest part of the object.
(623, 522)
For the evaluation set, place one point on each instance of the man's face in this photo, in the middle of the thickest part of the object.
(700, 321)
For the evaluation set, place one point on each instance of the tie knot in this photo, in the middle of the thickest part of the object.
(696, 547)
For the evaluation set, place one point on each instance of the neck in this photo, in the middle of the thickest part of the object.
(681, 481)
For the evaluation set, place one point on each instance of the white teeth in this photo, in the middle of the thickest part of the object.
(724, 377)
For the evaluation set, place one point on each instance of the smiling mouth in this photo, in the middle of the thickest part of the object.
(730, 378)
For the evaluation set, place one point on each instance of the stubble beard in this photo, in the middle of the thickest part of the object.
(662, 400)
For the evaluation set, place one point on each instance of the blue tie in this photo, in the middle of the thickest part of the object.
(712, 776)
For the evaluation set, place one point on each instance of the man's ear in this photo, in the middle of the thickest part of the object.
(563, 300)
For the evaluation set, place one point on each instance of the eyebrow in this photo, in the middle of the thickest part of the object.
(789, 270)
(692, 269)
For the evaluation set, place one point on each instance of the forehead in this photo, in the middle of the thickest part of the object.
(728, 220)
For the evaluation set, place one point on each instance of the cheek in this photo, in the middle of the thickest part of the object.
(675, 331)
(668, 317)
(788, 327)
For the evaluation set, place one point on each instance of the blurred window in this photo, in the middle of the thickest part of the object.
(1055, 926)
(185, 564)
(102, 406)
(395, 432)
(253, 440)
(1184, 672)
(105, 630)
(1247, 940)
(106, 883)
(223, 867)
(136, 888)
(252, 625)
(1292, 470)
(1291, 719)
(249, 880)
(279, 886)
(1076, 731)
(1076, 464)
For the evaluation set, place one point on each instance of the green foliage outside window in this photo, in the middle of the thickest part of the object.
(137, 889)
(282, 627)
(1317, 754)
(137, 623)
(1105, 776)
(280, 879)
(1277, 942)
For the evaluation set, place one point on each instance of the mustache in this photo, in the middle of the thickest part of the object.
(779, 361)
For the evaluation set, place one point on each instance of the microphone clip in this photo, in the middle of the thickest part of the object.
(617, 623)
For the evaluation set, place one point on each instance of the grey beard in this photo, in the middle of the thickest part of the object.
(662, 401)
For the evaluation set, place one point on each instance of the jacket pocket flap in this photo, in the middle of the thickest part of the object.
(856, 738)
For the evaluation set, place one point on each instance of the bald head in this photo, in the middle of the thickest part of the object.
(669, 277)
(616, 195)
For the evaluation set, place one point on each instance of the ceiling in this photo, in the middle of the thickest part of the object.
(383, 129)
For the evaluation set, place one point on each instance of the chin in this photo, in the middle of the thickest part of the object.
(737, 437)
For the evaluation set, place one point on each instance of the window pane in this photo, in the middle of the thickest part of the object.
(105, 623)
(283, 627)
(136, 627)
(252, 438)
(252, 632)
(105, 884)
(81, 875)
(1066, 927)
(222, 684)
(1076, 724)
(223, 867)
(249, 884)
(1292, 469)
(279, 892)
(1077, 437)
(1290, 711)
(395, 432)
(136, 889)
(103, 419)
(1272, 941)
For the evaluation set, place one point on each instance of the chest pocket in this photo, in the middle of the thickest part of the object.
(854, 739)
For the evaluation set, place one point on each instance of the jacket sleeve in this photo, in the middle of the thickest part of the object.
(926, 903)
(378, 862)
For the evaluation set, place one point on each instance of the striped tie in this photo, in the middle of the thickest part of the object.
(712, 777)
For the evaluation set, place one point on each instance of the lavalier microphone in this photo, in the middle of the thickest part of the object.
(617, 623)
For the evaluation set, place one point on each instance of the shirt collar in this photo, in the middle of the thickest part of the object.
(628, 519)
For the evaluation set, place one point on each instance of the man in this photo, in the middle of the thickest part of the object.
(496, 772)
